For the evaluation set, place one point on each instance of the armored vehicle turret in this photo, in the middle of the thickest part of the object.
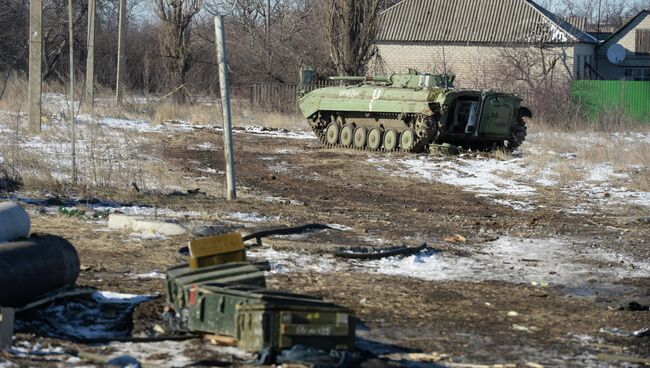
(410, 112)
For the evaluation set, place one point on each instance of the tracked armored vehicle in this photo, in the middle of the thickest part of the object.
(413, 112)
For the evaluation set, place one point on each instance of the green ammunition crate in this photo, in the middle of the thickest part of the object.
(181, 278)
(281, 326)
(261, 318)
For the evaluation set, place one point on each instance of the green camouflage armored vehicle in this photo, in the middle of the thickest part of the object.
(411, 112)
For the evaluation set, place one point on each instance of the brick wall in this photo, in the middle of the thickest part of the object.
(474, 66)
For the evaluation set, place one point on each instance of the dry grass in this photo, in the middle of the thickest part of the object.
(571, 157)
(15, 94)
(200, 114)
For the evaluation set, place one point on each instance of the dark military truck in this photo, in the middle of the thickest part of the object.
(411, 112)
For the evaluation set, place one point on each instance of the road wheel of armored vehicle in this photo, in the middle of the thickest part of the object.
(374, 139)
(332, 134)
(360, 137)
(517, 135)
(347, 135)
(390, 139)
(407, 139)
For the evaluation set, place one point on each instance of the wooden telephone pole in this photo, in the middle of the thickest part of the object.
(71, 76)
(35, 59)
(120, 53)
(222, 59)
(90, 58)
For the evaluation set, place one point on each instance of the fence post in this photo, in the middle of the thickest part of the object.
(35, 57)
(222, 58)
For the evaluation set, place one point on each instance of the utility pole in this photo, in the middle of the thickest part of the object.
(269, 50)
(268, 23)
(90, 58)
(35, 59)
(222, 60)
(120, 53)
(72, 122)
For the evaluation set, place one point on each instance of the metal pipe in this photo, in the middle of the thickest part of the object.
(33, 267)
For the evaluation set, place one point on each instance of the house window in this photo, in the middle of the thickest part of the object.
(643, 41)
(637, 74)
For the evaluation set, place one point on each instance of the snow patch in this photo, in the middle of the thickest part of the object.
(149, 275)
(250, 217)
(553, 261)
(280, 133)
(473, 175)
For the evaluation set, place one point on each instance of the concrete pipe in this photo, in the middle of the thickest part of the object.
(14, 222)
(32, 267)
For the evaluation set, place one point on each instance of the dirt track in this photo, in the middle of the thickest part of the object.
(467, 319)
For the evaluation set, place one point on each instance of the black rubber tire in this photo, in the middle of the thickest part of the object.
(517, 135)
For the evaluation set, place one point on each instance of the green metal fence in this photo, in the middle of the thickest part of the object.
(598, 97)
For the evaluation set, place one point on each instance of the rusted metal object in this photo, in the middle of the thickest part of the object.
(35, 266)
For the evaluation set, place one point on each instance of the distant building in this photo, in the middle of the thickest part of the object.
(482, 39)
(625, 54)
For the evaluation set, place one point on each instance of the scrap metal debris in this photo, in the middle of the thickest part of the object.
(368, 253)
(285, 231)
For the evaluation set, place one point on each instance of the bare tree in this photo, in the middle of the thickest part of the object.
(352, 31)
(295, 37)
(176, 18)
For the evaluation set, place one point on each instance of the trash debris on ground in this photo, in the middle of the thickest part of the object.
(378, 253)
(311, 357)
(285, 231)
(221, 340)
(88, 318)
(457, 238)
(142, 224)
(417, 357)
(615, 358)
(644, 332)
(614, 331)
(14, 222)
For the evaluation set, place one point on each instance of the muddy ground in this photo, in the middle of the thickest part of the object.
(484, 318)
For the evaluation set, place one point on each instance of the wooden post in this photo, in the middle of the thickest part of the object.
(120, 53)
(90, 57)
(222, 59)
(35, 59)
(71, 76)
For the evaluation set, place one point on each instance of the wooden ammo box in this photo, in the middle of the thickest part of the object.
(181, 278)
(261, 318)
(215, 250)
